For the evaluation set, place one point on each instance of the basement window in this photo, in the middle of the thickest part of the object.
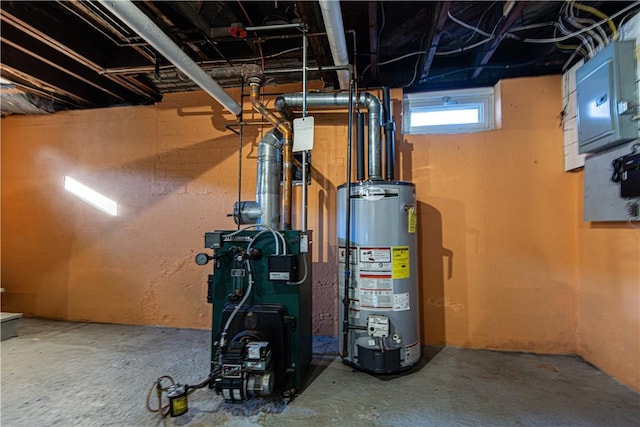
(453, 111)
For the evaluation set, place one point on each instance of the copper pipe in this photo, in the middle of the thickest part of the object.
(287, 153)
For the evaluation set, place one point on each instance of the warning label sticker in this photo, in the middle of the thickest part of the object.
(411, 212)
(376, 300)
(375, 255)
(400, 262)
(376, 281)
(401, 302)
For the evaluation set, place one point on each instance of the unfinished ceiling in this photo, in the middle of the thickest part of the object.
(75, 54)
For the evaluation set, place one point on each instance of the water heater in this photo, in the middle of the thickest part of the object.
(383, 325)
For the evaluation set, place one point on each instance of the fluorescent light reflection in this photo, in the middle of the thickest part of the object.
(90, 196)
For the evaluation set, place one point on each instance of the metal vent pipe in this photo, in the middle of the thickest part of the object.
(360, 146)
(341, 99)
(134, 18)
(287, 154)
(268, 178)
(332, 16)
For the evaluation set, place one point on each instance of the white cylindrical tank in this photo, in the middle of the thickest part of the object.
(384, 320)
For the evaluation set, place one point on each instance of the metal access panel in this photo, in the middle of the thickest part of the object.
(602, 199)
(606, 96)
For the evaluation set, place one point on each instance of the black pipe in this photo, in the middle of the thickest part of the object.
(347, 240)
(360, 146)
(389, 134)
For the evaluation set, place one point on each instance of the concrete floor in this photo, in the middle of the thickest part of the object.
(83, 374)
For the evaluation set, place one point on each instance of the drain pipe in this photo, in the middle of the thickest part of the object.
(332, 17)
(134, 18)
(341, 99)
(389, 134)
(287, 154)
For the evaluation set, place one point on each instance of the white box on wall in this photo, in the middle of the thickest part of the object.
(572, 159)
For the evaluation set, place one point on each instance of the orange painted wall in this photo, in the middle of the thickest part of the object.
(172, 168)
(506, 261)
(608, 298)
(497, 218)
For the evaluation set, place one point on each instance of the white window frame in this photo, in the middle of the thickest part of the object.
(481, 99)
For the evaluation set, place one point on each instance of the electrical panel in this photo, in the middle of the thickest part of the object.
(606, 98)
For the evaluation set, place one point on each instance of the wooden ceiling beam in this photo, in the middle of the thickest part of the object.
(373, 39)
(507, 23)
(438, 27)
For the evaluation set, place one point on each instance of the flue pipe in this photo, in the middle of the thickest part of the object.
(341, 99)
(360, 146)
(134, 18)
(268, 178)
(332, 16)
(287, 152)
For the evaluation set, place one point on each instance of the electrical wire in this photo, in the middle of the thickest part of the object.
(568, 36)
(585, 41)
(568, 13)
(465, 48)
(400, 58)
(596, 12)
(475, 29)
(306, 273)
(415, 68)
(273, 232)
(597, 33)
(555, 39)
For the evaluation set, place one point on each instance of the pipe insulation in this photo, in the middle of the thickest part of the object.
(341, 99)
(134, 18)
(332, 16)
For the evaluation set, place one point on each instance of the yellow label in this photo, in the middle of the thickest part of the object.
(411, 212)
(400, 262)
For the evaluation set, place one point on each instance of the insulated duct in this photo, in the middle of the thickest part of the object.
(332, 17)
(133, 17)
(341, 99)
(268, 178)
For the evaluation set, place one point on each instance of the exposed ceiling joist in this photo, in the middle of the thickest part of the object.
(373, 39)
(441, 19)
(80, 56)
(507, 23)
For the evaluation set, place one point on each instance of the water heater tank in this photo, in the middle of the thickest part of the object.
(384, 321)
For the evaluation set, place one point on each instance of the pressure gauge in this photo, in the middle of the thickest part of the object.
(202, 258)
